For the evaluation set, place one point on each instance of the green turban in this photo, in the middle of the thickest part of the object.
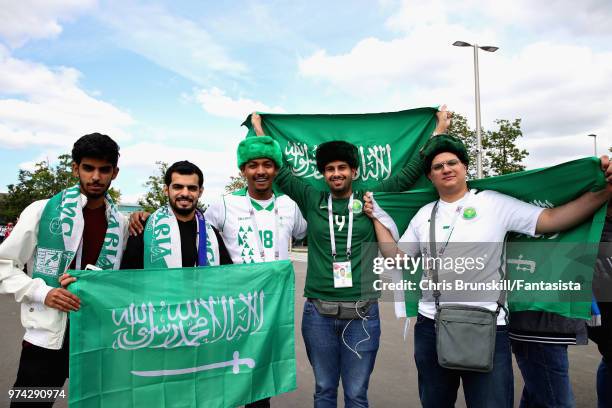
(441, 144)
(259, 147)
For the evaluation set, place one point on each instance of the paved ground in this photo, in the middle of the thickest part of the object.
(393, 383)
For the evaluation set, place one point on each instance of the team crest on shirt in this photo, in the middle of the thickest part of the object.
(469, 213)
(357, 206)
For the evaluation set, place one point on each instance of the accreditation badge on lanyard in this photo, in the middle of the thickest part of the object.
(343, 275)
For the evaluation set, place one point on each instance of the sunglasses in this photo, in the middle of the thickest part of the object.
(449, 163)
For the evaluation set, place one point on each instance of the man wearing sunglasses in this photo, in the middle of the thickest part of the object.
(476, 222)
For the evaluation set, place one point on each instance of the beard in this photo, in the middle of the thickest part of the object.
(344, 187)
(182, 210)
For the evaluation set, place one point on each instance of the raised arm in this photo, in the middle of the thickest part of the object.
(571, 214)
(256, 122)
(296, 188)
(577, 211)
(413, 170)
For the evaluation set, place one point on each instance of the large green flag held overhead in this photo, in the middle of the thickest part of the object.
(386, 141)
(218, 336)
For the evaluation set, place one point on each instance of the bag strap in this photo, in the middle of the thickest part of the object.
(434, 271)
(434, 251)
(503, 293)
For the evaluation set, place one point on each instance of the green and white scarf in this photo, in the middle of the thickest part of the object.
(60, 233)
(162, 241)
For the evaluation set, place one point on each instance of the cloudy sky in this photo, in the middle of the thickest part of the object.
(173, 80)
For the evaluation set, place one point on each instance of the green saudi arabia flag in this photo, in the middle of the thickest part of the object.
(569, 255)
(387, 141)
(218, 336)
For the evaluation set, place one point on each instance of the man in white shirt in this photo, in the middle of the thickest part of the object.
(78, 226)
(256, 222)
(483, 219)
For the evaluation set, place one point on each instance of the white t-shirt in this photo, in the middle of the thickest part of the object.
(231, 216)
(479, 230)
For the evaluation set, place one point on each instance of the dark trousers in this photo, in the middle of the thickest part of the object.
(545, 369)
(602, 335)
(41, 367)
(438, 386)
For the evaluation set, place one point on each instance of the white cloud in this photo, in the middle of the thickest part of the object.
(217, 103)
(559, 88)
(172, 42)
(45, 106)
(23, 20)
(587, 17)
(140, 158)
(31, 164)
(375, 66)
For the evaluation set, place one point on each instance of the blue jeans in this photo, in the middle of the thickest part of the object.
(331, 359)
(438, 385)
(545, 372)
(604, 384)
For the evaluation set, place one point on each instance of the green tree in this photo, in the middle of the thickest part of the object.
(500, 153)
(236, 183)
(155, 196)
(460, 128)
(501, 150)
(41, 183)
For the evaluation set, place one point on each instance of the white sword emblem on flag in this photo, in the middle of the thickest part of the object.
(235, 363)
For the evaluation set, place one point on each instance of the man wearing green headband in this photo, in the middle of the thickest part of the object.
(463, 216)
(336, 292)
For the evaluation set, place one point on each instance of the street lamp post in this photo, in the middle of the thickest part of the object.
(594, 144)
(477, 91)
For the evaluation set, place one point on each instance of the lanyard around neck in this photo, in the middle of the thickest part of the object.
(258, 237)
(332, 236)
(432, 237)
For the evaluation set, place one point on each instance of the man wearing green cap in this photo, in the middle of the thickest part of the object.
(340, 325)
(481, 218)
(255, 223)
